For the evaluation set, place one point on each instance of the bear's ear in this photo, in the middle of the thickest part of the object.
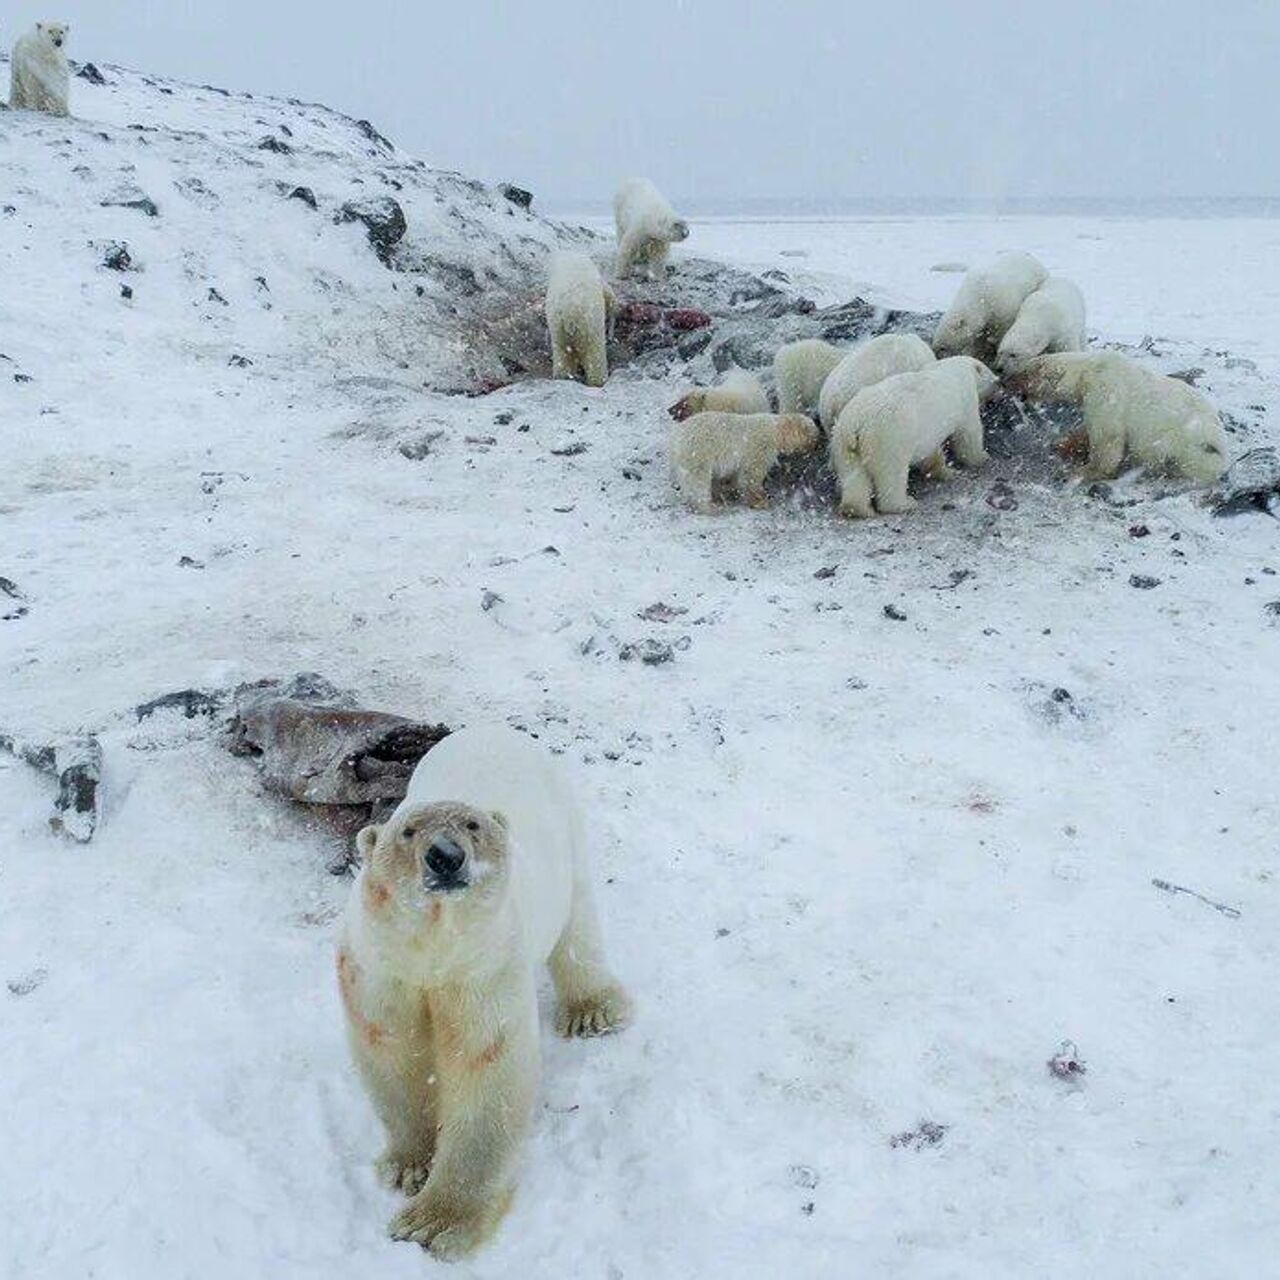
(501, 819)
(367, 840)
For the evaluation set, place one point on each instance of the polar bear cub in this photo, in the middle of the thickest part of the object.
(647, 227)
(986, 305)
(737, 392)
(737, 447)
(799, 371)
(579, 306)
(477, 879)
(868, 364)
(903, 422)
(1051, 320)
(1130, 413)
(39, 79)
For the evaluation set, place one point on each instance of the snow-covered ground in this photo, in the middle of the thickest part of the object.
(863, 874)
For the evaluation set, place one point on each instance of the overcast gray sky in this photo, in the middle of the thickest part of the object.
(718, 101)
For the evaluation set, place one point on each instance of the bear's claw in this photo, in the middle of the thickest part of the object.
(597, 1014)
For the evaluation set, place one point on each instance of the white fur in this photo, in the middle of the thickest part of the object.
(799, 372)
(647, 227)
(737, 392)
(439, 984)
(1050, 320)
(986, 304)
(1131, 413)
(902, 422)
(742, 448)
(39, 79)
(868, 364)
(578, 307)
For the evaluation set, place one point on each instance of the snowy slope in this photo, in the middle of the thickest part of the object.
(860, 872)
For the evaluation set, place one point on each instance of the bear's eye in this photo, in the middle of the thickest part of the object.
(410, 832)
(473, 825)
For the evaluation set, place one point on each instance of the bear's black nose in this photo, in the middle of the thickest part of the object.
(445, 858)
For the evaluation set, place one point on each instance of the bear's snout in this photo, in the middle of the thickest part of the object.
(444, 860)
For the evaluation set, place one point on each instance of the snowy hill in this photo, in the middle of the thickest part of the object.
(878, 838)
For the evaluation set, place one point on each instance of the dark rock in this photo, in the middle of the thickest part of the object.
(144, 204)
(240, 362)
(928, 1133)
(571, 450)
(17, 606)
(305, 194)
(489, 600)
(517, 195)
(827, 571)
(91, 73)
(1067, 1064)
(76, 763)
(652, 653)
(117, 258)
(190, 702)
(1143, 581)
(504, 419)
(1189, 376)
(373, 135)
(892, 611)
(661, 612)
(214, 296)
(187, 562)
(1000, 497)
(126, 291)
(1139, 531)
(272, 143)
(383, 219)
(1252, 483)
(422, 447)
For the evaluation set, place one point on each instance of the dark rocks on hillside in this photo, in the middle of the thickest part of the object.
(144, 204)
(76, 763)
(517, 195)
(91, 73)
(118, 258)
(1252, 483)
(272, 143)
(383, 219)
(373, 135)
(305, 194)
(13, 604)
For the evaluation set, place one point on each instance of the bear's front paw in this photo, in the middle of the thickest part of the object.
(403, 1171)
(597, 1014)
(449, 1228)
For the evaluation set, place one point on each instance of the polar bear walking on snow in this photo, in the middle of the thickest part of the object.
(1130, 413)
(647, 227)
(1050, 321)
(39, 79)
(737, 447)
(737, 392)
(986, 305)
(903, 422)
(578, 307)
(800, 370)
(477, 879)
(868, 364)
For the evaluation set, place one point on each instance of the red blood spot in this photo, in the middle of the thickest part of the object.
(376, 894)
(685, 318)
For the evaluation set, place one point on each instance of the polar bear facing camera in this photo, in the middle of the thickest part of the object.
(868, 364)
(734, 447)
(579, 306)
(1051, 320)
(800, 370)
(647, 227)
(477, 879)
(737, 392)
(39, 79)
(902, 422)
(1130, 413)
(986, 305)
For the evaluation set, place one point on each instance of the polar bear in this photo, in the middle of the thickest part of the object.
(1051, 320)
(579, 307)
(39, 79)
(799, 371)
(647, 227)
(742, 448)
(478, 878)
(1130, 412)
(985, 306)
(868, 364)
(737, 392)
(903, 422)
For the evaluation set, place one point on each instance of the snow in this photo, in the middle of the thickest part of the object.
(860, 873)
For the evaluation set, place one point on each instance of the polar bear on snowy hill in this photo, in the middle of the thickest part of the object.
(740, 448)
(903, 422)
(1050, 321)
(868, 364)
(578, 307)
(1130, 413)
(477, 879)
(647, 227)
(799, 371)
(39, 79)
(986, 305)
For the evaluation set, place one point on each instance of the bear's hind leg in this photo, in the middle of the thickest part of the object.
(589, 999)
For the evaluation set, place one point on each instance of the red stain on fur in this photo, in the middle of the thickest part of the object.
(348, 978)
(376, 894)
(487, 1057)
